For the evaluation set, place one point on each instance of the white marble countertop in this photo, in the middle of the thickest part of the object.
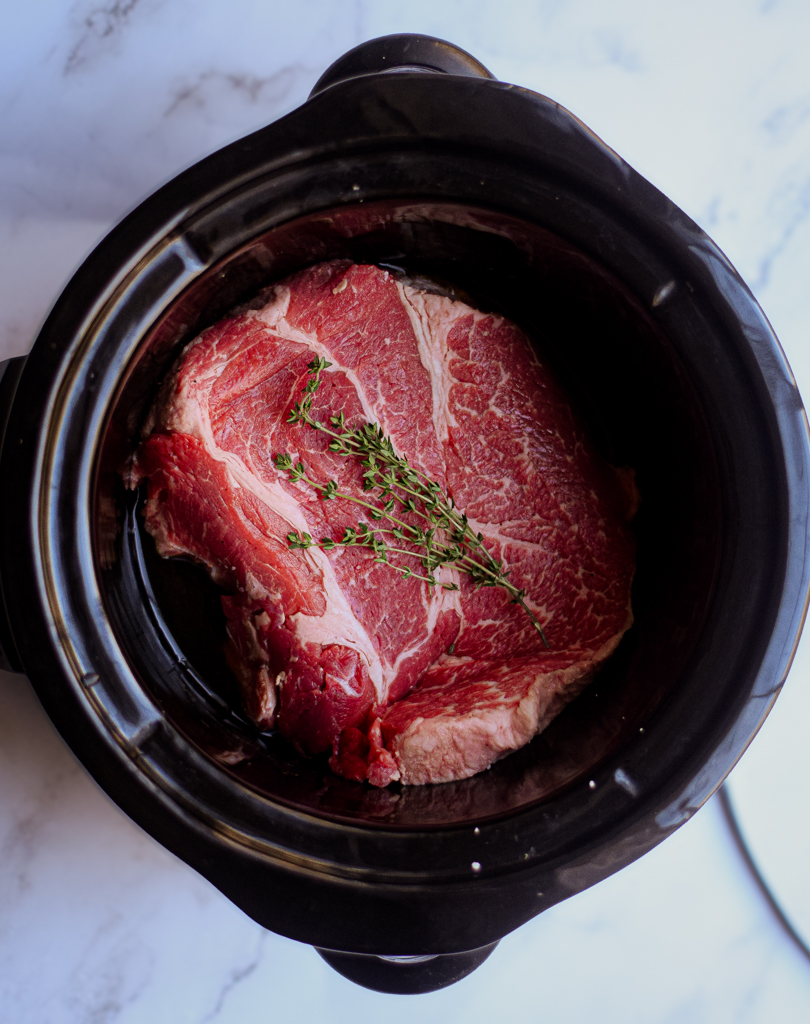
(103, 100)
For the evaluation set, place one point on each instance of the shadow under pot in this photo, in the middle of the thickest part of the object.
(506, 199)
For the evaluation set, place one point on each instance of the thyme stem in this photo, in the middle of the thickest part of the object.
(447, 539)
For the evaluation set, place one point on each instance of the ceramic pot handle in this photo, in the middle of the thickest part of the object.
(403, 52)
(10, 370)
(406, 975)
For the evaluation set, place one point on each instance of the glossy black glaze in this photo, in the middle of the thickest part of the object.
(10, 371)
(403, 51)
(699, 369)
(406, 975)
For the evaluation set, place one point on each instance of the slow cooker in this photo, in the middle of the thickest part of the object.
(410, 155)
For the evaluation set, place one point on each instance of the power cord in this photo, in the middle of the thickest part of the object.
(745, 853)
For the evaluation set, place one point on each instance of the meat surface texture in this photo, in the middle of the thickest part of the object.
(398, 680)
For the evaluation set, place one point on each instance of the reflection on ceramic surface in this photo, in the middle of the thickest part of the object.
(103, 101)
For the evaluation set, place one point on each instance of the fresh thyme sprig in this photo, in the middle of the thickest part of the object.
(445, 537)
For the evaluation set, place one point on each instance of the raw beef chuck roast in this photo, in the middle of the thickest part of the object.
(397, 679)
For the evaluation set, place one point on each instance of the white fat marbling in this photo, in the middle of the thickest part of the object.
(103, 100)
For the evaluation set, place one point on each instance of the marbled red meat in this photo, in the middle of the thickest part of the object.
(397, 680)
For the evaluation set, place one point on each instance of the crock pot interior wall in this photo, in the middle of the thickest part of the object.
(623, 377)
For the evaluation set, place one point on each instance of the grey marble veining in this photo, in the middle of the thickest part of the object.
(103, 100)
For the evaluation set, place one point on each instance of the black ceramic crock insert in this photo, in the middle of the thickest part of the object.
(503, 195)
